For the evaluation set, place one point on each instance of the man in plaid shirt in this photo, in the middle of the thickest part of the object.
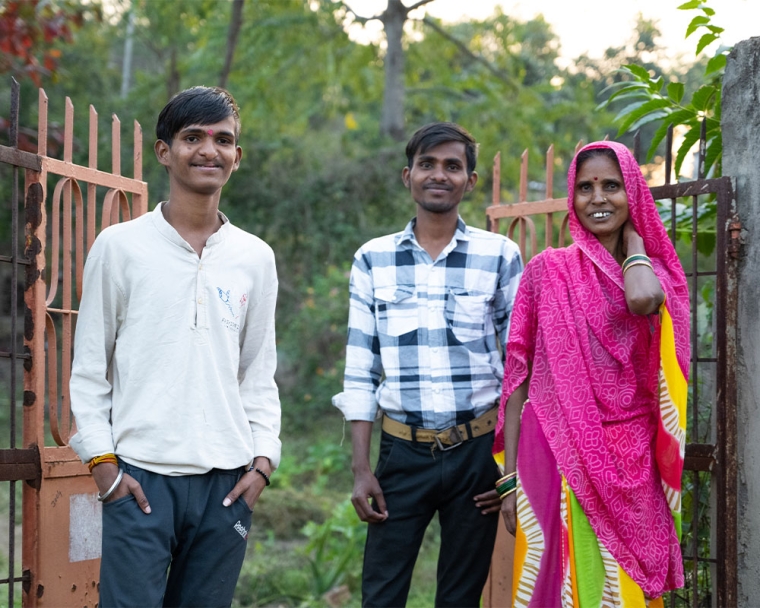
(427, 329)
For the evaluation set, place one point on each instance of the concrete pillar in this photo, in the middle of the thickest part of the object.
(741, 159)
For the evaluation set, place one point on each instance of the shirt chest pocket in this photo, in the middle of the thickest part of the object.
(466, 314)
(396, 310)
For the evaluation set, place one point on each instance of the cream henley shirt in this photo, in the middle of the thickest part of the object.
(175, 354)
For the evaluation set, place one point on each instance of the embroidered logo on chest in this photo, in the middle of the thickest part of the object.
(234, 306)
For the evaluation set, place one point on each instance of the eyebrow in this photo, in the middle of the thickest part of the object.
(428, 158)
(198, 129)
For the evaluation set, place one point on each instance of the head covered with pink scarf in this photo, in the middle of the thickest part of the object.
(594, 381)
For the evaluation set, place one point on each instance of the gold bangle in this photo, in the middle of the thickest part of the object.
(506, 478)
(637, 263)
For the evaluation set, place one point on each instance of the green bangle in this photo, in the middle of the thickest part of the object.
(636, 257)
(507, 487)
(503, 496)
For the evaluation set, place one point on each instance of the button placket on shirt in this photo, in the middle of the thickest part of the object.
(436, 350)
(201, 295)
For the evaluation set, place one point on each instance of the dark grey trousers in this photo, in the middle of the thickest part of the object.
(417, 484)
(187, 552)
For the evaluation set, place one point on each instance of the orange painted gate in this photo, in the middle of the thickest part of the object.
(56, 211)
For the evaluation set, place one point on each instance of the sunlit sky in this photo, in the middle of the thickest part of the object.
(591, 26)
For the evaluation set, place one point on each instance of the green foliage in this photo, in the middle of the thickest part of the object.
(652, 99)
(334, 549)
(311, 347)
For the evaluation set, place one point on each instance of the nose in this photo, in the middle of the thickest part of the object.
(597, 195)
(208, 147)
(439, 174)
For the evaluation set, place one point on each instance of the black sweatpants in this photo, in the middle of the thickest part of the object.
(187, 552)
(416, 484)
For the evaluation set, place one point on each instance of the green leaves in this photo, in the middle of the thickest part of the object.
(648, 101)
(695, 23)
(675, 91)
(715, 64)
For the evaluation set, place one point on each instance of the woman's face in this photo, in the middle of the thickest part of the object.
(600, 200)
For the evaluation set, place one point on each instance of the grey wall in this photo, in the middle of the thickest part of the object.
(741, 159)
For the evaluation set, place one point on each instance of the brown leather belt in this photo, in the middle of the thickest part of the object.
(446, 439)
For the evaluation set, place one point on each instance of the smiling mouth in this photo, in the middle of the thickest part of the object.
(601, 215)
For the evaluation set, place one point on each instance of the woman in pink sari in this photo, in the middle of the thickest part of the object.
(594, 399)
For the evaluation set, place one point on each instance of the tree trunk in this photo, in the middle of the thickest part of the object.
(172, 82)
(392, 120)
(126, 69)
(236, 20)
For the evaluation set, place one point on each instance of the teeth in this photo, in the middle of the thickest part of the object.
(600, 214)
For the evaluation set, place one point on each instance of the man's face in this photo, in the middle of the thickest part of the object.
(438, 178)
(201, 158)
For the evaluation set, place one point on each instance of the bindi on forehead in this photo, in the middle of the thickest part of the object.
(595, 178)
(211, 132)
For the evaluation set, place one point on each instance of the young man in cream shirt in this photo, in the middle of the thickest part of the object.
(172, 385)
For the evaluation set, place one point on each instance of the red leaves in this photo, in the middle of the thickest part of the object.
(28, 31)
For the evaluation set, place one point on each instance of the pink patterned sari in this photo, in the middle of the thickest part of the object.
(602, 435)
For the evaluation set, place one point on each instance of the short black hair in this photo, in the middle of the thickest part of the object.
(196, 106)
(438, 133)
(593, 152)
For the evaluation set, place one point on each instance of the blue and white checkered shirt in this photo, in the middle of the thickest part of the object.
(425, 338)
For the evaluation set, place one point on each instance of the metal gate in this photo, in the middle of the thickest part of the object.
(61, 516)
(710, 470)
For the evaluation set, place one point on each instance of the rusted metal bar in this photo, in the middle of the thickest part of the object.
(684, 189)
(138, 152)
(527, 208)
(726, 474)
(9, 259)
(101, 178)
(68, 131)
(702, 149)
(523, 194)
(699, 457)
(115, 145)
(19, 356)
(669, 154)
(19, 158)
(42, 123)
(34, 378)
(20, 464)
(91, 188)
(13, 140)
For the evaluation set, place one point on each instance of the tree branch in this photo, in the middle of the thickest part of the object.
(357, 16)
(379, 17)
(236, 20)
(417, 4)
(501, 75)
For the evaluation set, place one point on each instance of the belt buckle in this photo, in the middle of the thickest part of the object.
(455, 436)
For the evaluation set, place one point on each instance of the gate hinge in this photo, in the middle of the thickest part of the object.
(735, 240)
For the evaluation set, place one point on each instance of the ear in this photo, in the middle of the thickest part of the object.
(238, 156)
(163, 151)
(472, 179)
(405, 178)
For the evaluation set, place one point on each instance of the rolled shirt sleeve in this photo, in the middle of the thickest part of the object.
(364, 368)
